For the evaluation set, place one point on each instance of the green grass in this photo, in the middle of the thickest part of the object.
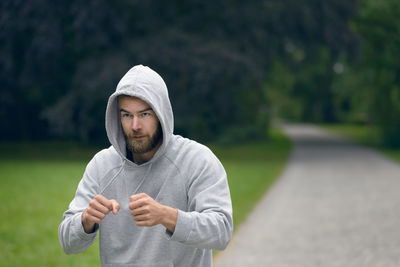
(37, 182)
(364, 135)
(34, 195)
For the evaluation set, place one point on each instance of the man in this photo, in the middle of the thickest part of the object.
(156, 198)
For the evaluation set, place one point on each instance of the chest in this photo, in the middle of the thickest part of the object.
(162, 182)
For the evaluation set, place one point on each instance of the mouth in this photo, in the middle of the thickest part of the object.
(138, 137)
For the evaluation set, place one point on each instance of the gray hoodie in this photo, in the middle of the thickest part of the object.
(182, 174)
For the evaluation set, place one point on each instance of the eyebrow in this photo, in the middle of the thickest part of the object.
(140, 111)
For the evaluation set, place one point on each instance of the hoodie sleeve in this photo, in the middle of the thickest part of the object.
(73, 238)
(208, 223)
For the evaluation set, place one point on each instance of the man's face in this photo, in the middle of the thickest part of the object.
(140, 125)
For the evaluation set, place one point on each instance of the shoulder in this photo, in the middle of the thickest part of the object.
(197, 164)
(190, 154)
(104, 161)
(186, 147)
(108, 154)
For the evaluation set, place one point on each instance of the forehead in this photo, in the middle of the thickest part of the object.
(132, 104)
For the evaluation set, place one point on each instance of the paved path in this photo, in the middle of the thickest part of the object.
(336, 204)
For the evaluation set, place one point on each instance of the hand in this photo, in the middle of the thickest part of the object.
(98, 208)
(148, 212)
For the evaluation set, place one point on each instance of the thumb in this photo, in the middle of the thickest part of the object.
(114, 206)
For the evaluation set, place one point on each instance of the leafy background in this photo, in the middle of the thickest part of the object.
(231, 66)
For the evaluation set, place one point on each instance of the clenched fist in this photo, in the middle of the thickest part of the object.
(98, 208)
(148, 212)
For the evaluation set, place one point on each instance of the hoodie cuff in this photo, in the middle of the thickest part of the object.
(183, 227)
(78, 228)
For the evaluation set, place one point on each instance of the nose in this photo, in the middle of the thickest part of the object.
(136, 125)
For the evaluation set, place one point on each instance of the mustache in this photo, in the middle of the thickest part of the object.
(136, 133)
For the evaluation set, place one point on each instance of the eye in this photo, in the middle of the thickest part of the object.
(145, 114)
(125, 115)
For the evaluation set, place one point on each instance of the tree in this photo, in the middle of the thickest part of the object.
(373, 82)
(320, 33)
(61, 61)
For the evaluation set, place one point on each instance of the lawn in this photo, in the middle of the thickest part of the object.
(36, 186)
(364, 135)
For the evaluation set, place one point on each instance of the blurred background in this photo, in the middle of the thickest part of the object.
(230, 66)
(233, 68)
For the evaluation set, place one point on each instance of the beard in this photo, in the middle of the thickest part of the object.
(143, 146)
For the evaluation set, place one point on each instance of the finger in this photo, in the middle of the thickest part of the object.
(92, 218)
(104, 201)
(140, 218)
(115, 206)
(95, 213)
(98, 206)
(146, 223)
(138, 203)
(138, 196)
(140, 211)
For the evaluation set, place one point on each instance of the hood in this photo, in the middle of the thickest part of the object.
(144, 83)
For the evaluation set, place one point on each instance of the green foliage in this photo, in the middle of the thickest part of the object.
(298, 85)
(321, 83)
(60, 62)
(301, 88)
(371, 85)
(352, 95)
(379, 24)
(279, 91)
